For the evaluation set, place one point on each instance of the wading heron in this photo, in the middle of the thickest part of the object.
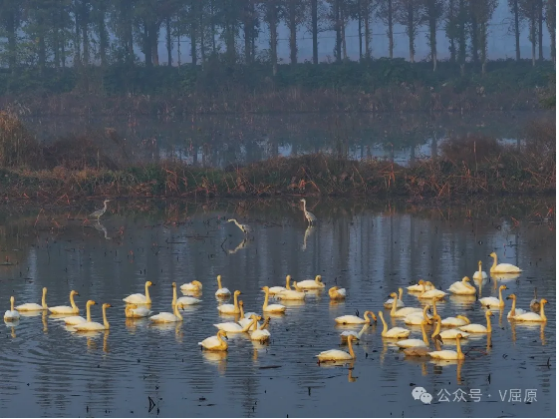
(243, 227)
(97, 214)
(308, 215)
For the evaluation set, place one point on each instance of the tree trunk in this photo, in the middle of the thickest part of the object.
(154, 36)
(344, 43)
(193, 53)
(483, 49)
(147, 45)
(533, 37)
(202, 40)
(368, 38)
(212, 20)
(411, 31)
(103, 40)
(516, 29)
(540, 29)
(169, 42)
(292, 34)
(338, 30)
(273, 23)
(12, 42)
(314, 23)
(433, 40)
(474, 36)
(247, 32)
(359, 30)
(390, 30)
(85, 39)
(462, 35)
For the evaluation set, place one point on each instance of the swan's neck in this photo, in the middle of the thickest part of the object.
(72, 302)
(148, 299)
(174, 302)
(266, 301)
(221, 341)
(501, 302)
(254, 324)
(393, 310)
(427, 307)
(424, 333)
(479, 270)
(176, 311)
(400, 293)
(218, 282)
(350, 348)
(384, 325)
(362, 330)
(242, 312)
(513, 308)
(12, 304)
(542, 312)
(494, 262)
(366, 317)
(424, 288)
(105, 321)
(488, 323)
(248, 326)
(437, 328)
(88, 312)
(44, 299)
(235, 302)
(287, 286)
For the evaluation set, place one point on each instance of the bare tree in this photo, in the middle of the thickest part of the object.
(550, 21)
(408, 14)
(514, 9)
(294, 14)
(482, 11)
(271, 13)
(432, 13)
(385, 13)
(529, 11)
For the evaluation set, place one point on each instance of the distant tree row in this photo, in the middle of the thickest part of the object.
(63, 33)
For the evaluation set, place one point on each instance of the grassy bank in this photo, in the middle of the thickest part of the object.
(466, 166)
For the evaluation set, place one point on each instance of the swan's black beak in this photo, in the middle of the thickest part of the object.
(508, 297)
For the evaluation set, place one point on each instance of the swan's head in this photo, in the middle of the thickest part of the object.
(421, 282)
(400, 290)
(149, 283)
(90, 303)
(479, 263)
(542, 301)
(12, 299)
(197, 283)
(438, 337)
(511, 297)
(459, 336)
(429, 283)
(237, 293)
(288, 278)
(44, 290)
(266, 288)
(318, 278)
(174, 285)
(425, 322)
(106, 305)
(222, 333)
(460, 316)
(393, 295)
(333, 290)
(256, 317)
(465, 279)
(72, 293)
(503, 287)
(350, 338)
(370, 313)
(493, 254)
(488, 313)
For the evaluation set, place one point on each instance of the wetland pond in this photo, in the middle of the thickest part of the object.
(137, 369)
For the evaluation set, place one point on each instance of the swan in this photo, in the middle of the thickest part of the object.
(260, 333)
(337, 293)
(493, 301)
(479, 328)
(399, 303)
(221, 292)
(534, 304)
(91, 326)
(66, 309)
(231, 308)
(448, 354)
(289, 294)
(432, 293)
(403, 312)
(514, 311)
(72, 320)
(422, 350)
(233, 327)
(462, 287)
(351, 319)
(140, 298)
(356, 336)
(459, 320)
(11, 314)
(35, 306)
(133, 311)
(183, 301)
(479, 274)
(449, 333)
(395, 332)
(336, 354)
(418, 317)
(411, 343)
(310, 284)
(166, 317)
(278, 289)
(194, 286)
(419, 286)
(502, 268)
(533, 317)
(215, 343)
(272, 308)
(245, 318)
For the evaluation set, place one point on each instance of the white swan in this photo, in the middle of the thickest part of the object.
(515, 311)
(351, 319)
(502, 268)
(356, 336)
(414, 343)
(479, 328)
(245, 318)
(419, 286)
(479, 274)
(336, 354)
(233, 327)
(432, 293)
(11, 314)
(140, 298)
(194, 286)
(311, 284)
(72, 320)
(231, 308)
(91, 326)
(459, 320)
(35, 306)
(449, 333)
(221, 292)
(66, 309)
(183, 301)
(448, 354)
(336, 293)
(272, 308)
(133, 311)
(462, 287)
(492, 301)
(403, 312)
(399, 302)
(290, 294)
(533, 317)
(417, 317)
(215, 343)
(393, 333)
(166, 317)
(277, 289)
(260, 334)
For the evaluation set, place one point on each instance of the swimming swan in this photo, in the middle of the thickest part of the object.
(183, 301)
(351, 319)
(245, 318)
(403, 312)
(278, 289)
(310, 284)
(419, 286)
(272, 308)
(533, 317)
(66, 309)
(432, 293)
(233, 327)
(289, 294)
(73, 320)
(133, 311)
(446, 334)
(194, 286)
(422, 350)
(221, 292)
(479, 274)
(336, 354)
(11, 314)
(411, 343)
(231, 308)
(140, 298)
(418, 317)
(459, 320)
(356, 336)
(260, 334)
(35, 306)
(215, 343)
(91, 326)
(395, 332)
(502, 268)
(337, 293)
(448, 354)
(492, 301)
(462, 287)
(479, 328)
(514, 311)
(399, 303)
(166, 317)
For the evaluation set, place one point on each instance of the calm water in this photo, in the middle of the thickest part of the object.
(50, 371)
(220, 140)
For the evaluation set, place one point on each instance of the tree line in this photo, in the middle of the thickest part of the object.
(73, 33)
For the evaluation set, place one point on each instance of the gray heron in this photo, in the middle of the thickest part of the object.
(308, 215)
(243, 227)
(97, 214)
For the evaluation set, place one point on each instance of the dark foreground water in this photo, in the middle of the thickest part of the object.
(49, 371)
